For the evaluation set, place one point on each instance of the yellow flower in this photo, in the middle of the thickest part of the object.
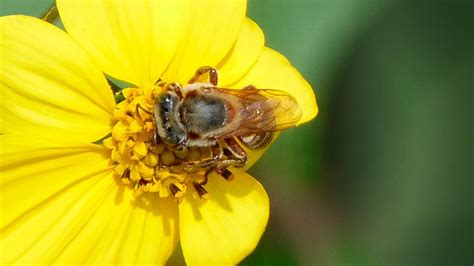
(61, 198)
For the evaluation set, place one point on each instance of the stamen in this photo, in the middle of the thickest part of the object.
(130, 143)
(227, 174)
(126, 173)
(174, 189)
(126, 176)
(201, 191)
(148, 126)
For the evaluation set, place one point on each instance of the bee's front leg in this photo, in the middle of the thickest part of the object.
(213, 76)
(176, 88)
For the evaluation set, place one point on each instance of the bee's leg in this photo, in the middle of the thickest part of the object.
(236, 157)
(217, 153)
(222, 166)
(213, 76)
(176, 88)
(235, 151)
(160, 83)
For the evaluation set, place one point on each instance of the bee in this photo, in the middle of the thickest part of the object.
(201, 114)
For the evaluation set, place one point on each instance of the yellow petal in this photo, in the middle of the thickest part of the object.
(31, 172)
(44, 230)
(32, 176)
(211, 28)
(225, 228)
(131, 40)
(244, 53)
(153, 239)
(49, 85)
(62, 204)
(273, 71)
(125, 231)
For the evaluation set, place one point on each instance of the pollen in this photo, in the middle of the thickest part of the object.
(141, 160)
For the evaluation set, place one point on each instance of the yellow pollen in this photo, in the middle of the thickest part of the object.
(148, 126)
(130, 143)
(146, 164)
(167, 158)
(151, 159)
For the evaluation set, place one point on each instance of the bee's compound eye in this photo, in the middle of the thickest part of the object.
(172, 134)
(167, 102)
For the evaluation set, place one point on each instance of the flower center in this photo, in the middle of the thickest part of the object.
(142, 160)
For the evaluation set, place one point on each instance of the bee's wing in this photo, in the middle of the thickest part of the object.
(265, 110)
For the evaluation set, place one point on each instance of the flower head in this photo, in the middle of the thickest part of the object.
(83, 178)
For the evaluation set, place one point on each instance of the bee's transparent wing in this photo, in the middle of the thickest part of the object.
(266, 110)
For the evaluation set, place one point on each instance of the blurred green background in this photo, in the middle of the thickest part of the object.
(383, 176)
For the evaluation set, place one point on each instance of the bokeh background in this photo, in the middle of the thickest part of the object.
(383, 175)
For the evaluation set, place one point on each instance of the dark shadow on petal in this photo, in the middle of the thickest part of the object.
(195, 208)
(157, 206)
(120, 191)
(220, 189)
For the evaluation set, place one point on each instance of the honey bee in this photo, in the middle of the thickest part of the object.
(201, 114)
